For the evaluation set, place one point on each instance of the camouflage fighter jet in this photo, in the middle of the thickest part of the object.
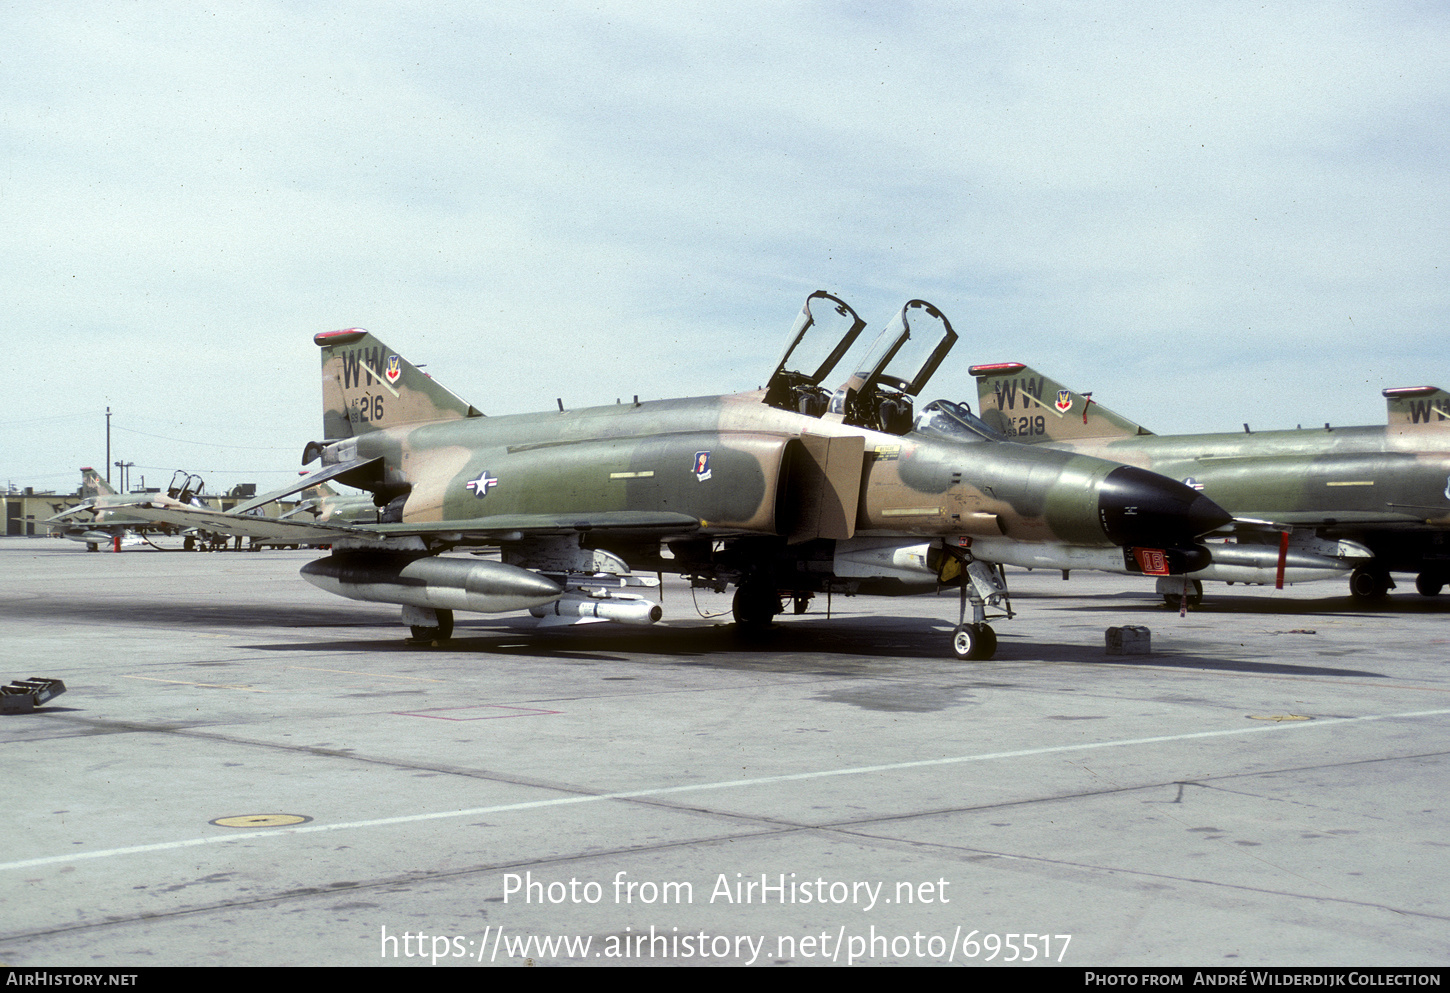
(325, 504)
(321, 503)
(782, 493)
(104, 516)
(1367, 501)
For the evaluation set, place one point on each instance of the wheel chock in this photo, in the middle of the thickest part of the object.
(24, 695)
(1129, 640)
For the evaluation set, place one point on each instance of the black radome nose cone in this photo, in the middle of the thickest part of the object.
(1138, 507)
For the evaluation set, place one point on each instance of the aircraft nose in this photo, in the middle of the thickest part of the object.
(1137, 507)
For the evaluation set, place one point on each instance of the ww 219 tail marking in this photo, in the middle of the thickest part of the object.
(1006, 391)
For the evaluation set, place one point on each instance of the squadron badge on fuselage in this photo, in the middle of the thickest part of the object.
(702, 466)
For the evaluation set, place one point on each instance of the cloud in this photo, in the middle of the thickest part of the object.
(596, 201)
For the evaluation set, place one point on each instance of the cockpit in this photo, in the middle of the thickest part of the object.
(955, 422)
(812, 353)
(880, 394)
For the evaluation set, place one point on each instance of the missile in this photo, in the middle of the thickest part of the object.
(911, 563)
(436, 582)
(575, 608)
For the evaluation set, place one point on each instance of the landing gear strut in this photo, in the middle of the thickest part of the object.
(982, 584)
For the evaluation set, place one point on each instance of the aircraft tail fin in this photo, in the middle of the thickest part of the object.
(1422, 406)
(1029, 407)
(93, 484)
(366, 386)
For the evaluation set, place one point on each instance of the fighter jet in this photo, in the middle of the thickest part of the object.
(105, 517)
(321, 503)
(1311, 503)
(782, 493)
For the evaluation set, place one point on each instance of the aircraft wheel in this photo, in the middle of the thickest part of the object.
(1429, 583)
(974, 642)
(1195, 596)
(755, 605)
(1369, 584)
(801, 603)
(91, 546)
(442, 631)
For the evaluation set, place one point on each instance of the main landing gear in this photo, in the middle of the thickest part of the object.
(756, 604)
(1430, 583)
(428, 625)
(1368, 583)
(1174, 599)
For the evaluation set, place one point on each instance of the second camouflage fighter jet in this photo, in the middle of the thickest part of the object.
(1366, 501)
(782, 493)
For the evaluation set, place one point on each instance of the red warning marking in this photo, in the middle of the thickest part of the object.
(1153, 561)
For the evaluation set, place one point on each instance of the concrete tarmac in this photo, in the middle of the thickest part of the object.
(248, 771)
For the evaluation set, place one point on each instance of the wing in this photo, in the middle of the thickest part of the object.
(483, 530)
(245, 525)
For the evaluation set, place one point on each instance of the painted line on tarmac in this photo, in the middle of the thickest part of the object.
(187, 682)
(863, 770)
(375, 675)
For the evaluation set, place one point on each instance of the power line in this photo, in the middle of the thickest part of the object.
(214, 444)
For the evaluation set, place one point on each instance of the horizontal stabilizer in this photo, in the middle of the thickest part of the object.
(362, 473)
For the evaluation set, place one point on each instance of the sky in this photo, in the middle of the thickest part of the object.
(1206, 214)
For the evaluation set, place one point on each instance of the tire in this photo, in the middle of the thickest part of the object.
(755, 606)
(1367, 584)
(1195, 596)
(973, 643)
(1429, 584)
(425, 633)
